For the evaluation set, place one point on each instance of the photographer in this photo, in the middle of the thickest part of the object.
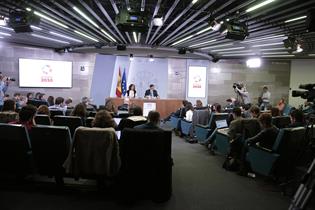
(242, 94)
(4, 83)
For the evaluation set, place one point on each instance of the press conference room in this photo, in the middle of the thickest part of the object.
(157, 104)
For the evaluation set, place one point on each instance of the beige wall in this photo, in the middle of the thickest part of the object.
(81, 83)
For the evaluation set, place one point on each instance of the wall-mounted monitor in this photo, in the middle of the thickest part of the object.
(197, 76)
(39, 73)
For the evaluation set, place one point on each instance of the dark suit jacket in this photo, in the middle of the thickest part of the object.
(266, 137)
(147, 125)
(147, 93)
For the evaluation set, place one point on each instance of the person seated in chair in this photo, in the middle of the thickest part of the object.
(235, 128)
(153, 121)
(254, 112)
(297, 118)
(27, 117)
(59, 105)
(8, 113)
(80, 111)
(103, 119)
(189, 112)
(136, 118)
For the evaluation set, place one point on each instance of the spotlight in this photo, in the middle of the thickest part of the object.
(131, 57)
(299, 48)
(182, 51)
(214, 24)
(151, 59)
(158, 21)
(253, 63)
(3, 21)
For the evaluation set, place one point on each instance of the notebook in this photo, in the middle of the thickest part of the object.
(221, 124)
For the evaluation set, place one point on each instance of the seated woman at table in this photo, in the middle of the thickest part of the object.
(131, 92)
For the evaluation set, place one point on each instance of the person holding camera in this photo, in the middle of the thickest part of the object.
(4, 84)
(242, 94)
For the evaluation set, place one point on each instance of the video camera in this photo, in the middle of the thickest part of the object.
(237, 85)
(309, 95)
(9, 78)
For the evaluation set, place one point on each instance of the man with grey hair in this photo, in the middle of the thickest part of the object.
(153, 121)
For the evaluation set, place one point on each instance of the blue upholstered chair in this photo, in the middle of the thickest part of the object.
(186, 127)
(281, 121)
(174, 122)
(202, 132)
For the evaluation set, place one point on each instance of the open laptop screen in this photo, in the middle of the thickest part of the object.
(221, 124)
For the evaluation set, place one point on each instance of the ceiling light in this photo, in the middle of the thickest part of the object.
(299, 48)
(51, 39)
(151, 59)
(259, 5)
(3, 22)
(274, 53)
(182, 40)
(36, 28)
(202, 43)
(216, 46)
(139, 37)
(50, 19)
(265, 38)
(109, 36)
(64, 36)
(85, 17)
(253, 63)
(194, 1)
(270, 44)
(131, 57)
(238, 54)
(294, 19)
(272, 56)
(87, 36)
(158, 21)
(5, 34)
(204, 30)
(228, 49)
(238, 51)
(6, 28)
(28, 9)
(135, 37)
(272, 49)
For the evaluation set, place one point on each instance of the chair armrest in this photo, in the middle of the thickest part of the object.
(203, 126)
(256, 146)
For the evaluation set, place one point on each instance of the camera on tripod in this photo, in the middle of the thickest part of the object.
(237, 85)
(8, 78)
(309, 94)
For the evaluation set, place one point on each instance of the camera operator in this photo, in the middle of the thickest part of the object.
(4, 83)
(242, 94)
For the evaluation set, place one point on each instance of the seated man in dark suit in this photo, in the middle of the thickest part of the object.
(153, 121)
(297, 118)
(151, 93)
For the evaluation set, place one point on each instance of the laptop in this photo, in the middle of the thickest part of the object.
(222, 126)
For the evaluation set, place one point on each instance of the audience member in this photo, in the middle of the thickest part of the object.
(29, 96)
(189, 112)
(68, 103)
(23, 101)
(51, 101)
(281, 105)
(103, 119)
(199, 104)
(43, 109)
(87, 103)
(79, 111)
(17, 98)
(125, 105)
(8, 113)
(42, 97)
(275, 112)
(110, 106)
(131, 92)
(6, 97)
(235, 128)
(153, 121)
(297, 118)
(27, 117)
(59, 105)
(136, 118)
(37, 96)
(254, 112)
(180, 113)
(216, 108)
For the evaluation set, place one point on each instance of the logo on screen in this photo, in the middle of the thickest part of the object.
(47, 74)
(197, 82)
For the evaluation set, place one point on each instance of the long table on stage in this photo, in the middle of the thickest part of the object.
(163, 106)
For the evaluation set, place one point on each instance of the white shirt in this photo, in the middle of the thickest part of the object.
(266, 97)
(132, 94)
(189, 115)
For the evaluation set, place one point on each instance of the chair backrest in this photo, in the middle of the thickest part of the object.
(54, 113)
(281, 121)
(201, 117)
(71, 121)
(6, 117)
(278, 140)
(15, 148)
(88, 122)
(123, 115)
(68, 112)
(42, 119)
(286, 110)
(51, 145)
(128, 123)
(217, 116)
(95, 151)
(251, 127)
(37, 103)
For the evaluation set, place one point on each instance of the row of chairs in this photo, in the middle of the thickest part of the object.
(145, 156)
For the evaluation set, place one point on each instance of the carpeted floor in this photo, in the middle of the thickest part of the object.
(199, 183)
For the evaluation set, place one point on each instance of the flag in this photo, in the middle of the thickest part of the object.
(118, 87)
(124, 83)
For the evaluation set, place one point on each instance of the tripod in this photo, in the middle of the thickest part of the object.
(305, 190)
